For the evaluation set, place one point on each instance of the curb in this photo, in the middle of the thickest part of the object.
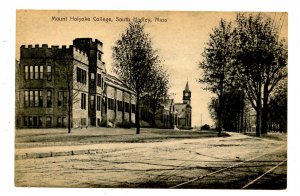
(56, 154)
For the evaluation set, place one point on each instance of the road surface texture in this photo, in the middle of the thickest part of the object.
(235, 162)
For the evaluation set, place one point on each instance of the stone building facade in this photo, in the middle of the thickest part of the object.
(52, 82)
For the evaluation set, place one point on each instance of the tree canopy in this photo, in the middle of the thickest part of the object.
(246, 55)
(137, 64)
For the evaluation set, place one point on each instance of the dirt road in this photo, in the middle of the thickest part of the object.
(227, 162)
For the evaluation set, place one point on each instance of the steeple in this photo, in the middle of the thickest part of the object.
(187, 89)
(187, 94)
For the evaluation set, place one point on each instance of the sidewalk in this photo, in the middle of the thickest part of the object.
(100, 148)
(54, 151)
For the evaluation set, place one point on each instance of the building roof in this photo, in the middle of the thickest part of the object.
(181, 109)
(167, 103)
(116, 82)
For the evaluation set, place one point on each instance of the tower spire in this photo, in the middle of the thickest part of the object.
(187, 87)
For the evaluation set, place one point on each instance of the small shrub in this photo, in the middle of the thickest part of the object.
(124, 124)
(205, 127)
(144, 124)
(159, 124)
(103, 122)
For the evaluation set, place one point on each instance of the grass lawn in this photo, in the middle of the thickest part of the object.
(25, 138)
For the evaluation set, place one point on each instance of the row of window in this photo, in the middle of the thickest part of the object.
(34, 98)
(37, 72)
(120, 105)
(92, 103)
(37, 121)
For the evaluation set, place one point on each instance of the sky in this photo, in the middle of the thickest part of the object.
(179, 37)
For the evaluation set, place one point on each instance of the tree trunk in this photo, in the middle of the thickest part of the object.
(137, 113)
(153, 116)
(258, 112)
(69, 109)
(219, 128)
(242, 113)
(264, 114)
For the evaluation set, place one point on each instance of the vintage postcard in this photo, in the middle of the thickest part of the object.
(151, 99)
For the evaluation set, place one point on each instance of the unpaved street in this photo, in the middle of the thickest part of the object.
(227, 162)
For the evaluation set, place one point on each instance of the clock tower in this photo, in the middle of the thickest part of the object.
(187, 94)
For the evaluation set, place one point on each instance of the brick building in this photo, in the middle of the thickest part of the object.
(50, 81)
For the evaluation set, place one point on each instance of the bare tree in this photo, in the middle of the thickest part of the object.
(216, 64)
(68, 74)
(134, 61)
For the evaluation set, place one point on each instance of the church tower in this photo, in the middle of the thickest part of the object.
(187, 94)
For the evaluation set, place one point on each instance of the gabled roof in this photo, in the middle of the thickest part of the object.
(167, 103)
(181, 109)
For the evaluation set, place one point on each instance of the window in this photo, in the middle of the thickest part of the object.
(49, 72)
(111, 104)
(81, 75)
(92, 77)
(26, 98)
(126, 107)
(133, 108)
(26, 72)
(48, 121)
(36, 72)
(41, 72)
(36, 98)
(59, 121)
(98, 103)
(92, 102)
(31, 72)
(78, 74)
(64, 122)
(102, 84)
(99, 80)
(120, 105)
(31, 100)
(99, 56)
(60, 99)
(49, 99)
(30, 121)
(40, 98)
(83, 101)
(25, 121)
(65, 97)
(35, 121)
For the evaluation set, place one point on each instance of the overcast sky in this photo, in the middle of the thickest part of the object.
(180, 41)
